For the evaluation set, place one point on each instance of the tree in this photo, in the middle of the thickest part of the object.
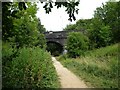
(41, 27)
(25, 26)
(25, 29)
(69, 5)
(7, 24)
(70, 27)
(9, 10)
(77, 44)
(41, 41)
(12, 13)
(99, 34)
(82, 25)
(109, 15)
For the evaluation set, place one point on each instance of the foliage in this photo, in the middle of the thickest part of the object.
(82, 25)
(7, 49)
(98, 68)
(62, 57)
(70, 27)
(7, 24)
(109, 15)
(41, 27)
(25, 28)
(9, 10)
(25, 31)
(24, 65)
(8, 52)
(99, 34)
(77, 44)
(41, 41)
(69, 5)
(103, 28)
(29, 69)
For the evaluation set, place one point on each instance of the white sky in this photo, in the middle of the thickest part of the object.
(58, 18)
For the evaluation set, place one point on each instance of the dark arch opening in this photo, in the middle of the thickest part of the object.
(54, 48)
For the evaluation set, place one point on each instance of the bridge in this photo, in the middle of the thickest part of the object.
(57, 40)
(58, 36)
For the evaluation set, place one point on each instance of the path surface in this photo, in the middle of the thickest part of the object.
(67, 78)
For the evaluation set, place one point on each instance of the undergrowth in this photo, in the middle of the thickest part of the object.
(98, 68)
(28, 68)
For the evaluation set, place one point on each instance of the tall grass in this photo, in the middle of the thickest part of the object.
(30, 68)
(99, 68)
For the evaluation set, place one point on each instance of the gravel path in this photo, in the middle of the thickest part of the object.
(67, 78)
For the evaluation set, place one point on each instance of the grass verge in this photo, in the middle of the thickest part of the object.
(98, 68)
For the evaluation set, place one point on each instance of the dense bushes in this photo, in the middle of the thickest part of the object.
(99, 34)
(8, 52)
(77, 43)
(31, 68)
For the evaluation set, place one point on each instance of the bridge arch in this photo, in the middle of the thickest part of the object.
(55, 41)
(58, 38)
(55, 48)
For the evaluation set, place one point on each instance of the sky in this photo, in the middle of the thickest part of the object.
(57, 20)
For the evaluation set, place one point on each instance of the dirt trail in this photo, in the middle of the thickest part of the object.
(67, 78)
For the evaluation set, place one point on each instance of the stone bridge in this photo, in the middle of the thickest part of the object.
(58, 36)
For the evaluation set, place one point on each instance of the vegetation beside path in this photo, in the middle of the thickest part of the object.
(25, 62)
(98, 68)
(29, 67)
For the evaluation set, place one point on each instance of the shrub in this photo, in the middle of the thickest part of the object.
(32, 68)
(41, 41)
(7, 49)
(77, 44)
(99, 34)
(8, 52)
